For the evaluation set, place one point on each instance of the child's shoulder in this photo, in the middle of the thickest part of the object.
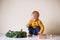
(39, 20)
(30, 20)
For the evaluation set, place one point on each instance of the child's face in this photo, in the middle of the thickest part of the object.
(35, 15)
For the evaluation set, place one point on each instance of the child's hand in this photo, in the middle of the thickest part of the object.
(39, 33)
(27, 25)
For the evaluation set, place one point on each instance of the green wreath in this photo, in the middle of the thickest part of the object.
(16, 34)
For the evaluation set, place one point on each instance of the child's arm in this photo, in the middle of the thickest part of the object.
(41, 27)
(29, 23)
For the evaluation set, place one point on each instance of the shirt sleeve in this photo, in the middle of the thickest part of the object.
(29, 22)
(41, 26)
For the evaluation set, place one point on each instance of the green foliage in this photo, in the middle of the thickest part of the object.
(16, 34)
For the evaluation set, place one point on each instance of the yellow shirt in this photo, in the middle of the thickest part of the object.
(37, 23)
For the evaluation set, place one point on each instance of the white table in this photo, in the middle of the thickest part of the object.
(3, 37)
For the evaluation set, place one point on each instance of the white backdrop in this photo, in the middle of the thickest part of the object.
(15, 14)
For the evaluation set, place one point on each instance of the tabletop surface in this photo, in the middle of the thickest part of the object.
(55, 37)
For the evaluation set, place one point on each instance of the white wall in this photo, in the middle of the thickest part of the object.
(15, 14)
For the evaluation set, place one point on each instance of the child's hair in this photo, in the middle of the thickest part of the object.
(35, 12)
